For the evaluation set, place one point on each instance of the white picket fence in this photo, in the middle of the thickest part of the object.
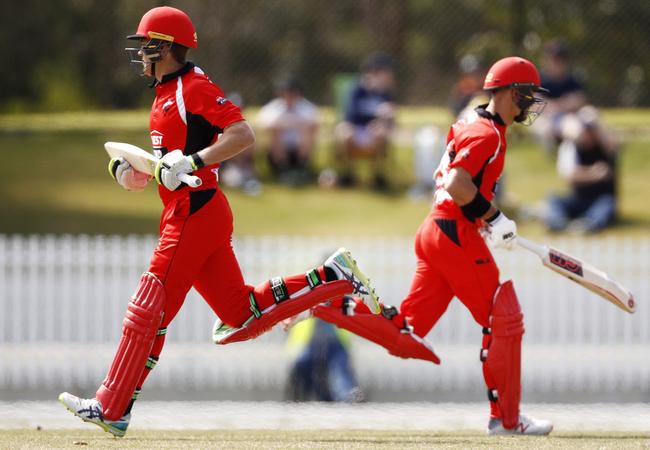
(62, 299)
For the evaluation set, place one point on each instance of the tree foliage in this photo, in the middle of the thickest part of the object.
(68, 54)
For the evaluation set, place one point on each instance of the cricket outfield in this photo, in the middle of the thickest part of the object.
(276, 425)
(322, 439)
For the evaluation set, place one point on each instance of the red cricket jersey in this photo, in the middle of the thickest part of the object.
(478, 145)
(188, 113)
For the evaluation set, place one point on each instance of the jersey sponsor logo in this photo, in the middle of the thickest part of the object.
(156, 139)
(222, 100)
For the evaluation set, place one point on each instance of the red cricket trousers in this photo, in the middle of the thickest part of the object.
(195, 249)
(452, 260)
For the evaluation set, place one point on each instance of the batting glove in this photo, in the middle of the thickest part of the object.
(173, 164)
(502, 232)
(126, 176)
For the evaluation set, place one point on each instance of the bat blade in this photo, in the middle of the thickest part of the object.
(586, 275)
(141, 160)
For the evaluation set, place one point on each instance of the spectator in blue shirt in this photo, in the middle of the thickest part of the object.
(368, 121)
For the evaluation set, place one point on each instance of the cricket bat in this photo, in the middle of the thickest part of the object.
(582, 273)
(143, 161)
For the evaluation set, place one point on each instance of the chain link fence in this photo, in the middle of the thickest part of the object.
(67, 54)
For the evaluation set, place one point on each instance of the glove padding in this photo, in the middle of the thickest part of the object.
(126, 176)
(170, 166)
(502, 232)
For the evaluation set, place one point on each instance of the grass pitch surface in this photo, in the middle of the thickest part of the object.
(328, 439)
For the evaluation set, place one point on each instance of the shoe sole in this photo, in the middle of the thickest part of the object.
(352, 264)
(102, 425)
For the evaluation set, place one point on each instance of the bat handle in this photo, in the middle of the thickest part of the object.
(190, 180)
(531, 246)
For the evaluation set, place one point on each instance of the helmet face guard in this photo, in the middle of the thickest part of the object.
(151, 49)
(531, 106)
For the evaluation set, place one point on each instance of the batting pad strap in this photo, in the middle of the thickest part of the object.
(151, 362)
(254, 308)
(278, 289)
(313, 278)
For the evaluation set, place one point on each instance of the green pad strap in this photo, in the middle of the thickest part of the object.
(254, 308)
(279, 289)
(151, 362)
(313, 278)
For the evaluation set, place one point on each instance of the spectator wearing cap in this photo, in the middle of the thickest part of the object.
(566, 93)
(369, 120)
(291, 122)
(468, 92)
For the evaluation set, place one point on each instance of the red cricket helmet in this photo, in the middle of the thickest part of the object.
(513, 72)
(167, 24)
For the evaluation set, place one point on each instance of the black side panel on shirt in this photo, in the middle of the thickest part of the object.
(199, 198)
(200, 133)
(477, 180)
(448, 226)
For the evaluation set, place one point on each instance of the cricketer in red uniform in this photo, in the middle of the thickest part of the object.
(453, 259)
(193, 127)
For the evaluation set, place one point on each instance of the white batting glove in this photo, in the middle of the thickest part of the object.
(170, 166)
(126, 176)
(502, 232)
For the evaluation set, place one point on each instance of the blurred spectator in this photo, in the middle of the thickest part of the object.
(369, 120)
(428, 147)
(566, 93)
(239, 171)
(291, 122)
(468, 92)
(321, 369)
(587, 159)
(429, 142)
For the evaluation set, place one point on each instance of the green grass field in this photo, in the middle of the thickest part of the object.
(53, 179)
(252, 439)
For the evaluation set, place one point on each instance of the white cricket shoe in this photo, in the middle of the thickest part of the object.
(526, 426)
(90, 410)
(345, 267)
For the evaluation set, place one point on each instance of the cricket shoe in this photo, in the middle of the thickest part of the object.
(90, 410)
(345, 268)
(526, 426)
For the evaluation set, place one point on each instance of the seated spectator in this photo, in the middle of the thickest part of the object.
(291, 122)
(566, 93)
(587, 159)
(239, 171)
(368, 122)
